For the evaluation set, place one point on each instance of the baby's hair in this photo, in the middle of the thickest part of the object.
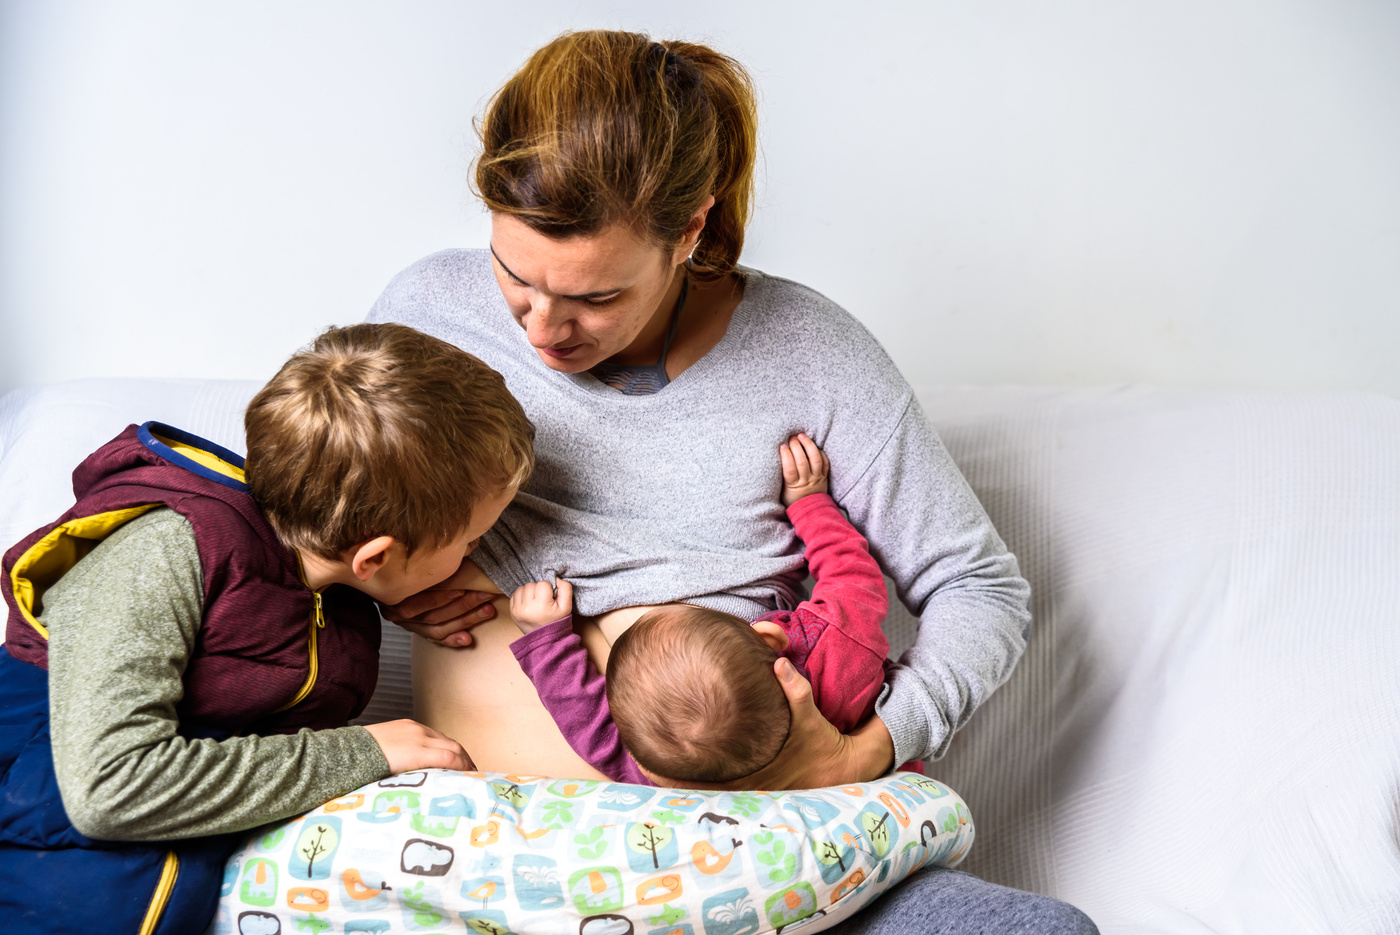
(382, 430)
(694, 697)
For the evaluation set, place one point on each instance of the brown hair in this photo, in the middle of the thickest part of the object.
(602, 127)
(382, 430)
(694, 697)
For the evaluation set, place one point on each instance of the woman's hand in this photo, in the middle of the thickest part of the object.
(816, 754)
(444, 614)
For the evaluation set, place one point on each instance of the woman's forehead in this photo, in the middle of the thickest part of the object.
(611, 259)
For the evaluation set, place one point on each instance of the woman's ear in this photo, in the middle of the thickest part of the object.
(772, 634)
(691, 237)
(367, 558)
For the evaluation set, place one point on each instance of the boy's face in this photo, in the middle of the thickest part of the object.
(396, 579)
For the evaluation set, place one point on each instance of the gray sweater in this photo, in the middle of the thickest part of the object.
(675, 496)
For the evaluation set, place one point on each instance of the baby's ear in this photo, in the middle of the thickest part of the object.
(772, 634)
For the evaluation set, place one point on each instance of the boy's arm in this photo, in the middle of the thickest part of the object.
(575, 695)
(123, 623)
(836, 635)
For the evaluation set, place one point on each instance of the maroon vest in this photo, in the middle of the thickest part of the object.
(253, 654)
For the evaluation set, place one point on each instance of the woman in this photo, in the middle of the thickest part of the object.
(661, 379)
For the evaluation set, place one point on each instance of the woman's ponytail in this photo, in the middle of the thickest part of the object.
(731, 95)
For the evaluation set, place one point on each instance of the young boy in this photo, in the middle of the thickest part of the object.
(691, 694)
(208, 625)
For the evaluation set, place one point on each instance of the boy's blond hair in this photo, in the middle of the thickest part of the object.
(694, 696)
(382, 430)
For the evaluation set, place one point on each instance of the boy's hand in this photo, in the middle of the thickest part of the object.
(805, 468)
(407, 745)
(534, 605)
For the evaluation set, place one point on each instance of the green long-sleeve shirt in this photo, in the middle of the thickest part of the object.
(122, 625)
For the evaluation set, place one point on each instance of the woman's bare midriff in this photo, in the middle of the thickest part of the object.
(479, 696)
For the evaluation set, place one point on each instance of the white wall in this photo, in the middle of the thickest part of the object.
(1197, 193)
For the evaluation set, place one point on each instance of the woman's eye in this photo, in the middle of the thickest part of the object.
(600, 302)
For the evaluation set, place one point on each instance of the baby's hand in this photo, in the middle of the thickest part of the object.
(534, 605)
(805, 468)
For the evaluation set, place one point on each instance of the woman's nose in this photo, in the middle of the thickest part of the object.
(545, 324)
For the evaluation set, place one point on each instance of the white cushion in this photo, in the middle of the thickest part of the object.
(45, 431)
(1204, 735)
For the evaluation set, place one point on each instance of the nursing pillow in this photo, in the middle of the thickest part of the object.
(432, 850)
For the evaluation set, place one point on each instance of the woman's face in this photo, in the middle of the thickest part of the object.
(582, 299)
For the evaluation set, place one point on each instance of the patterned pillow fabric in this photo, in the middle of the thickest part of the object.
(433, 850)
(430, 851)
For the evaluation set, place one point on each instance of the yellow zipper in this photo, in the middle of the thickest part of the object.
(164, 887)
(318, 622)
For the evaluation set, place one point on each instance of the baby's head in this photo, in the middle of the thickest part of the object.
(379, 431)
(694, 695)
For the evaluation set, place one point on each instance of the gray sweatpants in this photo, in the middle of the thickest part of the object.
(950, 902)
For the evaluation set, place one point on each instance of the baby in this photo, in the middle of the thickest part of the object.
(691, 694)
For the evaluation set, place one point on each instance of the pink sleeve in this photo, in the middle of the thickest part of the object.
(836, 636)
(575, 695)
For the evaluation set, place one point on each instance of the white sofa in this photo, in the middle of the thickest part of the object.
(1204, 735)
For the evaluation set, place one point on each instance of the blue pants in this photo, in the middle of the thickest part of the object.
(53, 879)
(950, 902)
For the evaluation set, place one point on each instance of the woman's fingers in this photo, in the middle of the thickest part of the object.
(431, 605)
(469, 611)
(424, 602)
(809, 727)
(444, 614)
(815, 753)
(797, 689)
(462, 638)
